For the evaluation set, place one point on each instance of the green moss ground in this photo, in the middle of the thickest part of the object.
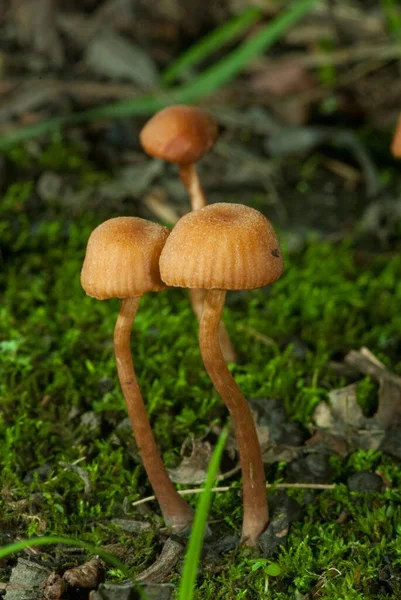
(56, 361)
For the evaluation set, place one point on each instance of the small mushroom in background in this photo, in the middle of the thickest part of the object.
(183, 135)
(396, 143)
(218, 248)
(122, 261)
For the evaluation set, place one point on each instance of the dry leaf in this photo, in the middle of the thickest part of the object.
(327, 443)
(389, 410)
(344, 406)
(366, 362)
(276, 453)
(114, 56)
(131, 526)
(54, 587)
(87, 575)
(193, 468)
(389, 407)
(161, 569)
(342, 417)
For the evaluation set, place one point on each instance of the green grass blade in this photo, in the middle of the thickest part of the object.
(146, 105)
(230, 66)
(209, 81)
(31, 131)
(50, 540)
(212, 42)
(192, 556)
(392, 16)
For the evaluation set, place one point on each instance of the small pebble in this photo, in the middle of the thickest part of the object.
(313, 468)
(275, 535)
(365, 481)
(281, 502)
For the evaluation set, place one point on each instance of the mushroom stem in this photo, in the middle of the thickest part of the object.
(256, 514)
(197, 298)
(176, 511)
(189, 177)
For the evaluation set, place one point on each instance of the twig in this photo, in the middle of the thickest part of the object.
(157, 202)
(163, 566)
(226, 488)
(365, 362)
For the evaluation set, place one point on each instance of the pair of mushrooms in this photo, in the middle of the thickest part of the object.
(183, 135)
(216, 248)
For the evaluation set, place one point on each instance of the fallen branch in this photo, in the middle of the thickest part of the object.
(227, 488)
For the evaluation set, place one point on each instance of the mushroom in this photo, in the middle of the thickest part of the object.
(183, 135)
(218, 248)
(396, 143)
(122, 261)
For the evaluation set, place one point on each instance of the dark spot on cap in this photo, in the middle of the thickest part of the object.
(276, 252)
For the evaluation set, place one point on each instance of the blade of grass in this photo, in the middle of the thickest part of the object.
(392, 15)
(50, 540)
(208, 82)
(211, 42)
(213, 78)
(192, 556)
(231, 65)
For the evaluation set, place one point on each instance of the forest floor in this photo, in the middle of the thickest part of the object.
(319, 351)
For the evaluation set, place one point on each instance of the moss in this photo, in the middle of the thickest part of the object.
(60, 403)
(59, 154)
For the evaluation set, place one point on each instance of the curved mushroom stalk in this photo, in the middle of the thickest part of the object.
(176, 512)
(190, 178)
(227, 348)
(227, 247)
(256, 514)
(122, 261)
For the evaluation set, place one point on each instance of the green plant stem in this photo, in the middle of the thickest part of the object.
(51, 540)
(192, 556)
(212, 42)
(232, 64)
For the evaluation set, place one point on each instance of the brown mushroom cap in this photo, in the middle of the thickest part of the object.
(179, 134)
(222, 246)
(122, 259)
